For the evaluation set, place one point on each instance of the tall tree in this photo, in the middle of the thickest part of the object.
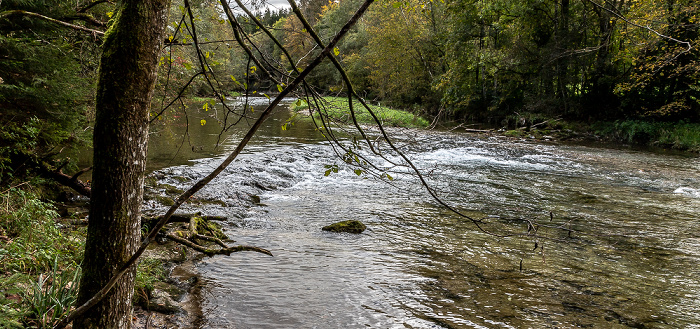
(126, 81)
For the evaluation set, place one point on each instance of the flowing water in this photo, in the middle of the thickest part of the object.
(632, 261)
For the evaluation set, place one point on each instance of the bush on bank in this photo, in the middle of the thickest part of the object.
(681, 135)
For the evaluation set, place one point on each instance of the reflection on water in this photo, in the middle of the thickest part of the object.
(418, 266)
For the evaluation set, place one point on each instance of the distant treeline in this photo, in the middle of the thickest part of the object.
(488, 60)
(485, 61)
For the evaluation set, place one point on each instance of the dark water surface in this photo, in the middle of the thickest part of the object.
(635, 262)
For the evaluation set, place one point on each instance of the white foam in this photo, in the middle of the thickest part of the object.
(691, 192)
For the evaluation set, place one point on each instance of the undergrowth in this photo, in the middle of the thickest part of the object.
(675, 135)
(39, 262)
(149, 271)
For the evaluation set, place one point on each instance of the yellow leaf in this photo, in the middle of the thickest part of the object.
(203, 122)
(336, 51)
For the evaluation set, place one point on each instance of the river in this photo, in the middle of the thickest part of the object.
(633, 259)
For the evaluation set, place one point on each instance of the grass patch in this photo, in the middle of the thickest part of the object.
(680, 135)
(213, 100)
(197, 99)
(148, 272)
(339, 109)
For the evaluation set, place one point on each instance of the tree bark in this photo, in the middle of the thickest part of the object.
(125, 87)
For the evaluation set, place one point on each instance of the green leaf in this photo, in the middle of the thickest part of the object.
(328, 172)
(389, 177)
(279, 88)
(358, 172)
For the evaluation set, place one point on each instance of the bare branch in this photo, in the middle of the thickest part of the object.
(86, 18)
(9, 13)
(211, 252)
(92, 4)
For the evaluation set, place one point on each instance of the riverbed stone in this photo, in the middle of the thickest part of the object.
(162, 299)
(348, 226)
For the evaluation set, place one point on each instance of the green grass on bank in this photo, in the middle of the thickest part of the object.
(675, 135)
(213, 100)
(339, 109)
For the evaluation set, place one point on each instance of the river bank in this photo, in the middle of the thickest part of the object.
(652, 136)
(679, 136)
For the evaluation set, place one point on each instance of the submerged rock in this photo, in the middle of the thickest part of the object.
(348, 226)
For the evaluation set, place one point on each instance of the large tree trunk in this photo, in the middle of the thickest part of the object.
(126, 82)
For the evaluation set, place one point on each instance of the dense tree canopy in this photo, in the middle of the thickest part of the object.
(485, 61)
(584, 59)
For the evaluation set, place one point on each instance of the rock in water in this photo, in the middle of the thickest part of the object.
(348, 226)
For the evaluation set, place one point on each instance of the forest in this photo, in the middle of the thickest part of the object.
(618, 70)
(630, 62)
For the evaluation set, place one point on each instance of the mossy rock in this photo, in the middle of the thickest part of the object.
(215, 202)
(150, 181)
(254, 198)
(181, 179)
(585, 198)
(210, 228)
(170, 190)
(348, 226)
(164, 200)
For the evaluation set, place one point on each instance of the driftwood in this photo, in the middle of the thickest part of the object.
(185, 218)
(469, 130)
(211, 252)
(193, 233)
(57, 174)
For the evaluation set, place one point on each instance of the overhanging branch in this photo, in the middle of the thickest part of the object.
(8, 13)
